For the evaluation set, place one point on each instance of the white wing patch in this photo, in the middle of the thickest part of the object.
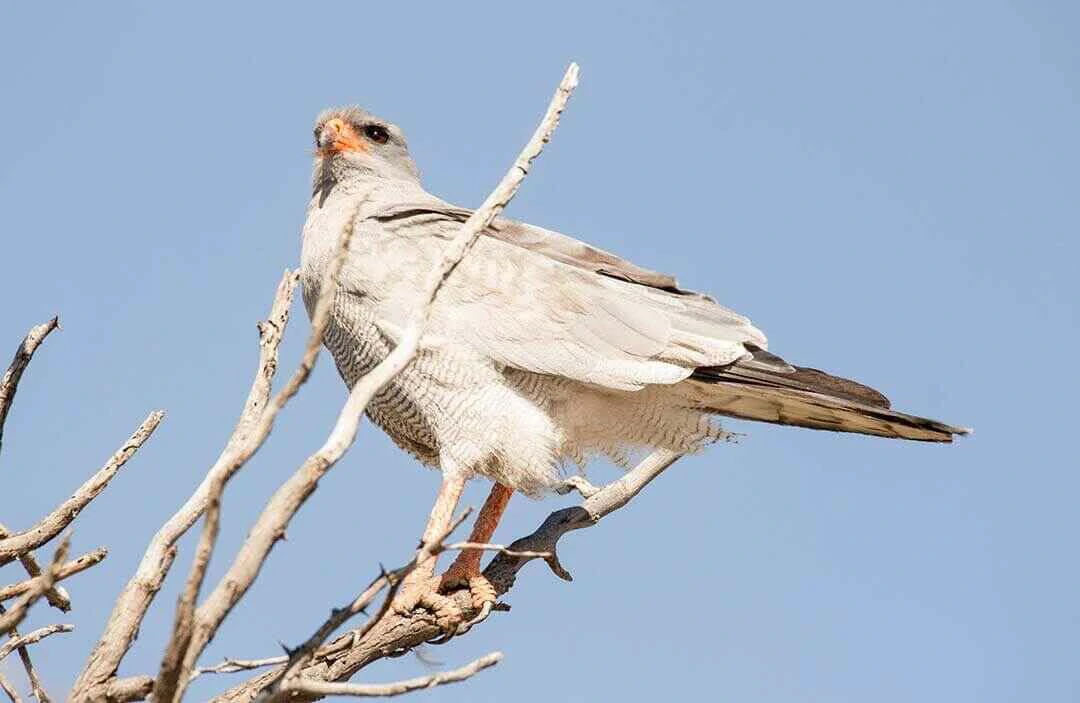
(522, 299)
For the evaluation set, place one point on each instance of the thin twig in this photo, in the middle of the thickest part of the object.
(171, 672)
(31, 638)
(502, 549)
(324, 688)
(36, 688)
(231, 666)
(56, 596)
(134, 601)
(300, 657)
(10, 382)
(503, 568)
(11, 619)
(70, 569)
(350, 651)
(53, 523)
(9, 690)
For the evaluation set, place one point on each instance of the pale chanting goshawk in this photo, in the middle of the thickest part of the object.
(540, 351)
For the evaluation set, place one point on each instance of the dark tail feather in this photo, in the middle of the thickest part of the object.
(767, 389)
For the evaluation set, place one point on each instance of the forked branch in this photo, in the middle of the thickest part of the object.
(133, 602)
(390, 633)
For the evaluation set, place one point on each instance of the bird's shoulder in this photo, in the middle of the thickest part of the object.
(519, 244)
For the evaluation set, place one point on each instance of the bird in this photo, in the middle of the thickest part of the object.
(541, 351)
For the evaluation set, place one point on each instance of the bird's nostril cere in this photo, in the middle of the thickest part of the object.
(335, 136)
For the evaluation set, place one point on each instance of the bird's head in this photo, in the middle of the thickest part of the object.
(352, 143)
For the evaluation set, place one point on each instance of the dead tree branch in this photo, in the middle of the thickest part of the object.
(56, 596)
(602, 502)
(391, 580)
(36, 687)
(324, 688)
(317, 668)
(9, 690)
(133, 688)
(173, 669)
(39, 586)
(53, 523)
(70, 569)
(393, 633)
(232, 666)
(10, 383)
(24, 655)
(31, 638)
(135, 599)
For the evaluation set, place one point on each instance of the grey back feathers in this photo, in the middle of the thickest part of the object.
(542, 349)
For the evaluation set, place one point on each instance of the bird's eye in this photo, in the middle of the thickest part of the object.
(376, 133)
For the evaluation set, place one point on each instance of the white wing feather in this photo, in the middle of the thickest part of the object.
(539, 301)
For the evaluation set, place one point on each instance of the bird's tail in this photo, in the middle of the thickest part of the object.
(767, 389)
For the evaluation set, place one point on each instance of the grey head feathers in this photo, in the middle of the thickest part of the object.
(361, 145)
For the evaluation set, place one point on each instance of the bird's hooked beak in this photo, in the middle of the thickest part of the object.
(336, 136)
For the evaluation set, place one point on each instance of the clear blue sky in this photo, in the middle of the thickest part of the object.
(888, 190)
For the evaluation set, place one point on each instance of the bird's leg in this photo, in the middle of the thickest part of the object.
(465, 571)
(420, 587)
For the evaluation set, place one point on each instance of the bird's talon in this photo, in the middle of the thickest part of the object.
(483, 593)
(480, 589)
(485, 611)
(424, 594)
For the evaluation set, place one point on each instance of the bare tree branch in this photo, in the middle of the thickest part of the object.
(36, 688)
(231, 666)
(53, 523)
(115, 690)
(288, 499)
(135, 599)
(323, 688)
(172, 665)
(350, 652)
(303, 654)
(41, 584)
(70, 569)
(486, 547)
(10, 383)
(315, 669)
(31, 638)
(603, 501)
(9, 690)
(56, 596)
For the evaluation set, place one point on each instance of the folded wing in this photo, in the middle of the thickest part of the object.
(539, 301)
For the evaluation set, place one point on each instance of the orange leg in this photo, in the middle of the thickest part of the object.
(466, 568)
(442, 513)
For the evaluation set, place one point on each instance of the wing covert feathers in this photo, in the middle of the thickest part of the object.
(538, 301)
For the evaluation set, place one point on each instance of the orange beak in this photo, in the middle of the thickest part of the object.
(337, 136)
